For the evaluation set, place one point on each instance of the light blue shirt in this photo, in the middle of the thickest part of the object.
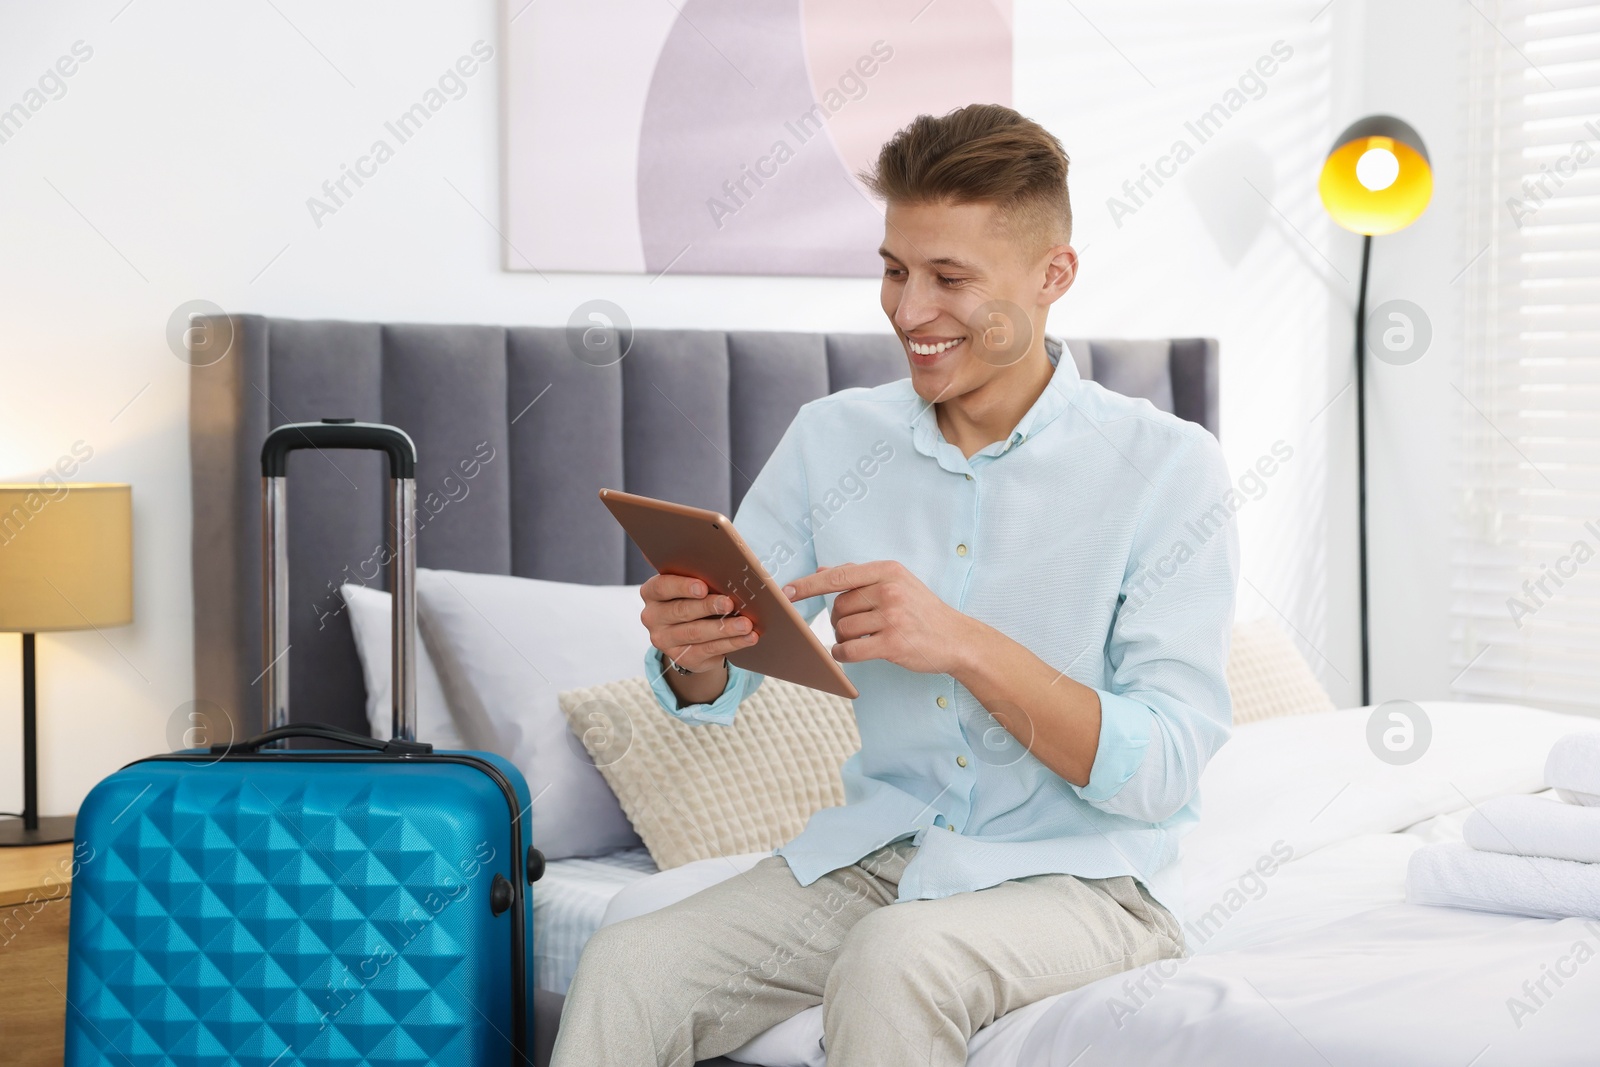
(1099, 534)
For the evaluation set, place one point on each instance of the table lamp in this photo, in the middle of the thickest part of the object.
(1376, 179)
(66, 563)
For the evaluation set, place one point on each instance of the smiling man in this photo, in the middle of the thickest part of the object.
(1030, 744)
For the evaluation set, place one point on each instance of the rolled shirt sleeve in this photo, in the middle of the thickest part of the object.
(1125, 729)
(774, 520)
(1166, 709)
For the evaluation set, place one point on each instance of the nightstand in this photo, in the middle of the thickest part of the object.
(35, 891)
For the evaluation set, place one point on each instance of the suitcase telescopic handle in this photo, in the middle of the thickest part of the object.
(402, 505)
(339, 433)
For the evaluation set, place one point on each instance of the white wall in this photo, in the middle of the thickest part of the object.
(178, 163)
(1415, 57)
(1236, 246)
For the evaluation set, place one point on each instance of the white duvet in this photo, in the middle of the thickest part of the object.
(1316, 960)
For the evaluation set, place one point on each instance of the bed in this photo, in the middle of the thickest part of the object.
(1325, 964)
(1318, 961)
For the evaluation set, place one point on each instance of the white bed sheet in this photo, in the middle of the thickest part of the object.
(568, 904)
(1330, 966)
(1327, 965)
(1321, 960)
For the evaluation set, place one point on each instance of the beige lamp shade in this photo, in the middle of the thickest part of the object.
(66, 556)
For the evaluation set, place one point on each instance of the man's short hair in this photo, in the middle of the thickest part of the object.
(981, 153)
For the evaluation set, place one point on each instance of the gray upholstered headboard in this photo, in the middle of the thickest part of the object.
(688, 415)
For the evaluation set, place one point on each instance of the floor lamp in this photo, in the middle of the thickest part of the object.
(66, 563)
(1376, 179)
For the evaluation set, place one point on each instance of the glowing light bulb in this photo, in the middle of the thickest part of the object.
(1377, 169)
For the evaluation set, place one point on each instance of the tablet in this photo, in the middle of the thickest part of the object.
(678, 539)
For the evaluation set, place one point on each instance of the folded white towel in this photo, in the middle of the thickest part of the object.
(1456, 875)
(1534, 826)
(1573, 768)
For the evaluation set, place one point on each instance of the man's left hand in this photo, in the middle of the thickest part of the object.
(883, 611)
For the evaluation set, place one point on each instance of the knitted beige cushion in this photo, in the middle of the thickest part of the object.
(694, 792)
(1268, 677)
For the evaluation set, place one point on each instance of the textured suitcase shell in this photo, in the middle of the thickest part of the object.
(301, 908)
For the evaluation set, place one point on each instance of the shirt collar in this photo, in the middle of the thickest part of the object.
(929, 440)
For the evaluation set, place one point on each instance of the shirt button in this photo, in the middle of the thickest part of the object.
(969, 477)
(961, 550)
(950, 827)
(961, 761)
(942, 702)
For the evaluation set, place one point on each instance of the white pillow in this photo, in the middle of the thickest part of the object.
(505, 648)
(369, 622)
(823, 626)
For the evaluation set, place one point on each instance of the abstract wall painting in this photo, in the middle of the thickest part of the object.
(725, 136)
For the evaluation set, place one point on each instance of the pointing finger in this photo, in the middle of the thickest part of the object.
(829, 579)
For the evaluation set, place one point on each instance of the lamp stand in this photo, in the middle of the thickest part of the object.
(30, 829)
(1361, 461)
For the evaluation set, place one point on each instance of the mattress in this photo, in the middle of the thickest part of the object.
(568, 903)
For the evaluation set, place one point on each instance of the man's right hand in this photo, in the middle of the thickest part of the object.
(696, 629)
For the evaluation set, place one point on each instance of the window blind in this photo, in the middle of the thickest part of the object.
(1525, 596)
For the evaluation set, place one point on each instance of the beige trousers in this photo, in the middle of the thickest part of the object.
(902, 985)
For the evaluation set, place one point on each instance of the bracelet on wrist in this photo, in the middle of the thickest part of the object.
(684, 670)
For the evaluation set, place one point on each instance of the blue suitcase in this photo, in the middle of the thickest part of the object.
(259, 905)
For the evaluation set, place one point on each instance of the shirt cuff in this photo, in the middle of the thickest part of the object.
(719, 711)
(1125, 728)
